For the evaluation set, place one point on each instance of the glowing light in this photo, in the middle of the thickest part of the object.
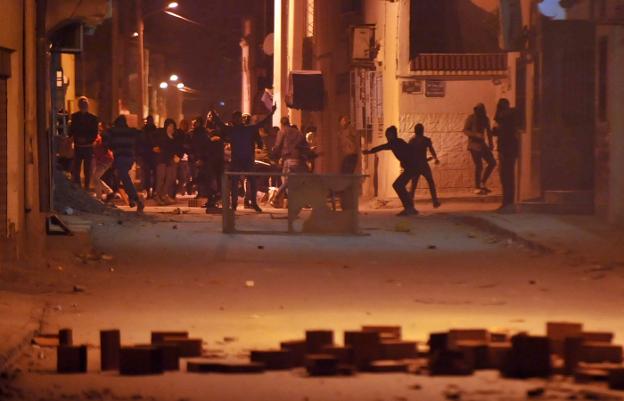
(174, 78)
(164, 85)
(172, 5)
(135, 35)
(180, 85)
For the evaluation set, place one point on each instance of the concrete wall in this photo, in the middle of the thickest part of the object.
(17, 32)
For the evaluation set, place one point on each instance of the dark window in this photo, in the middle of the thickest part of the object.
(351, 6)
(452, 26)
(603, 71)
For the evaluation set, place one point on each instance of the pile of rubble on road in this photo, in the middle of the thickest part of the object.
(565, 350)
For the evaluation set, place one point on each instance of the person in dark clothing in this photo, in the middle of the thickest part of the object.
(183, 136)
(477, 129)
(420, 145)
(243, 140)
(208, 156)
(83, 129)
(168, 154)
(145, 155)
(506, 130)
(121, 140)
(405, 154)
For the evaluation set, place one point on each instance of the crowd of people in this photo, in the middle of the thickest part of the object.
(190, 159)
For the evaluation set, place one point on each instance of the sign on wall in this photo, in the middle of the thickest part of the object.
(435, 88)
(413, 87)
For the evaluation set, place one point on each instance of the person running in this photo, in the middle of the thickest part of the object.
(121, 140)
(506, 130)
(404, 153)
(83, 130)
(243, 140)
(421, 144)
(103, 160)
(477, 129)
(290, 146)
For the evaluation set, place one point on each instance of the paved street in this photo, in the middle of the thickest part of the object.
(178, 272)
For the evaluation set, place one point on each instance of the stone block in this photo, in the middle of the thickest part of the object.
(273, 359)
(498, 354)
(616, 379)
(110, 343)
(202, 366)
(529, 357)
(601, 352)
(343, 354)
(321, 365)
(558, 331)
(385, 366)
(317, 339)
(187, 347)
(458, 335)
(597, 336)
(159, 336)
(398, 349)
(140, 360)
(476, 354)
(71, 359)
(297, 350)
(366, 347)
(385, 332)
(448, 363)
(438, 341)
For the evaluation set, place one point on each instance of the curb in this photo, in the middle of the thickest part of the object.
(485, 225)
(9, 357)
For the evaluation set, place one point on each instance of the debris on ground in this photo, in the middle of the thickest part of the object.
(79, 288)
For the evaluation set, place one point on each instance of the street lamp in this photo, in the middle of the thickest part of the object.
(140, 34)
(174, 78)
(180, 86)
(164, 85)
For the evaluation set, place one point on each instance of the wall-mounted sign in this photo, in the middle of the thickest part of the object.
(413, 87)
(435, 88)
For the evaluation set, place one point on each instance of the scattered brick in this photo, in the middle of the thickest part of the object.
(572, 350)
(476, 354)
(398, 349)
(529, 357)
(187, 347)
(317, 339)
(457, 335)
(438, 342)
(558, 331)
(385, 332)
(498, 354)
(140, 360)
(616, 379)
(71, 359)
(597, 336)
(448, 363)
(200, 366)
(297, 350)
(343, 354)
(321, 365)
(385, 366)
(601, 352)
(366, 346)
(159, 336)
(66, 337)
(110, 343)
(273, 359)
